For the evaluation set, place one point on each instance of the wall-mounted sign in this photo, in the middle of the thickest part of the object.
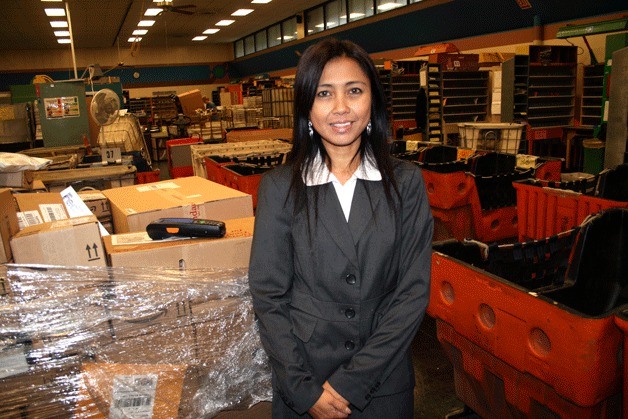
(61, 107)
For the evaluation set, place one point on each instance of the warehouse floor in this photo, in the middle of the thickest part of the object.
(434, 392)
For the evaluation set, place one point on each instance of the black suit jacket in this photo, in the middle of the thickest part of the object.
(337, 300)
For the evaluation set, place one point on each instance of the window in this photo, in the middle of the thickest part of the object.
(239, 48)
(260, 41)
(335, 14)
(385, 5)
(249, 45)
(314, 21)
(359, 9)
(274, 35)
(289, 29)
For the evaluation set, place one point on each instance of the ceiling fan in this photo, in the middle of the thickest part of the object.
(167, 6)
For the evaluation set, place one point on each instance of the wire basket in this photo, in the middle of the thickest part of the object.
(504, 137)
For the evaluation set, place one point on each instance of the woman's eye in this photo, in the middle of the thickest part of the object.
(355, 91)
(323, 93)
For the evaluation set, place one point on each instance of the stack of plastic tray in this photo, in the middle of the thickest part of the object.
(537, 348)
(546, 208)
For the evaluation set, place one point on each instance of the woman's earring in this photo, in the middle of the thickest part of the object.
(369, 127)
(310, 130)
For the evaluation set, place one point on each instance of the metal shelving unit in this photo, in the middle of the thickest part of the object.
(465, 96)
(592, 93)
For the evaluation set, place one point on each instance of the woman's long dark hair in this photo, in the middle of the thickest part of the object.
(304, 147)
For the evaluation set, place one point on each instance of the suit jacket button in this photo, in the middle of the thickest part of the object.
(349, 345)
(350, 278)
(350, 313)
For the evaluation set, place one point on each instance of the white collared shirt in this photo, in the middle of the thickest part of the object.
(320, 175)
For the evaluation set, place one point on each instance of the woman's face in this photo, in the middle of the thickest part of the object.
(342, 106)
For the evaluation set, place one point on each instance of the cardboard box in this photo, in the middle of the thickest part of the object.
(130, 390)
(97, 203)
(170, 345)
(191, 101)
(71, 242)
(41, 391)
(435, 49)
(21, 179)
(456, 62)
(38, 208)
(37, 186)
(134, 207)
(8, 223)
(231, 251)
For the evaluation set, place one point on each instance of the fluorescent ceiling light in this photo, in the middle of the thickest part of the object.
(210, 31)
(146, 23)
(54, 12)
(62, 33)
(154, 11)
(261, 1)
(388, 6)
(320, 25)
(242, 12)
(59, 24)
(287, 37)
(140, 32)
(356, 15)
(134, 39)
(225, 22)
(199, 38)
(63, 40)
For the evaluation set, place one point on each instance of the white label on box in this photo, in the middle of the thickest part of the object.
(133, 396)
(77, 208)
(12, 362)
(142, 237)
(155, 186)
(130, 238)
(28, 218)
(52, 212)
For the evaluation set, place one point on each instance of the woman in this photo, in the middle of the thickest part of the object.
(340, 262)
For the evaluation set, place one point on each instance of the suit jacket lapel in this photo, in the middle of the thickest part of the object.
(362, 209)
(331, 215)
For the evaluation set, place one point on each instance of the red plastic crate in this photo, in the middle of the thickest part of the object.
(456, 208)
(450, 196)
(213, 168)
(181, 166)
(544, 211)
(147, 177)
(621, 320)
(244, 178)
(494, 389)
(518, 351)
(549, 170)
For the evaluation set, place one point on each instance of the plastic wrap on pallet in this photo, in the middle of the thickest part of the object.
(120, 342)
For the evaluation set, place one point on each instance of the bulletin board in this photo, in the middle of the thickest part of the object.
(62, 112)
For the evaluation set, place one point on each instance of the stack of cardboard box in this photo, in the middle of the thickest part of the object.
(119, 324)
